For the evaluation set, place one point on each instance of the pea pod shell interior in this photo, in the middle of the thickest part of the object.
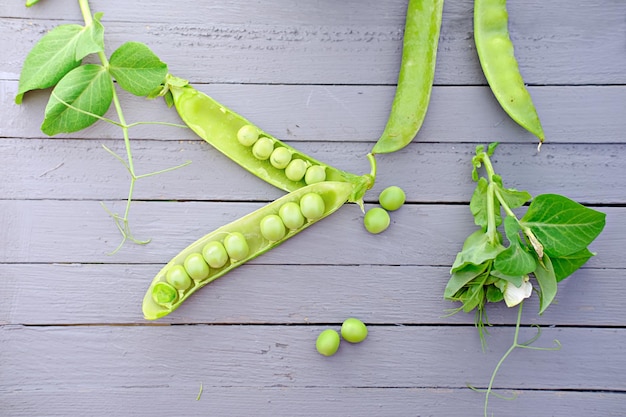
(219, 125)
(334, 194)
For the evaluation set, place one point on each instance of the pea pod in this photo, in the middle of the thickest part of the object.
(498, 62)
(417, 72)
(252, 148)
(237, 242)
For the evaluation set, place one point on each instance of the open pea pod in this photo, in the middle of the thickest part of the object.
(254, 149)
(233, 244)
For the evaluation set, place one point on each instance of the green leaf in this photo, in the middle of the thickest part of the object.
(547, 282)
(50, 60)
(561, 225)
(478, 203)
(88, 88)
(476, 249)
(512, 197)
(514, 260)
(462, 277)
(137, 69)
(493, 294)
(91, 39)
(567, 265)
(513, 279)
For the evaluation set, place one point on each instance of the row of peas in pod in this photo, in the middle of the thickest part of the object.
(265, 148)
(237, 242)
(255, 150)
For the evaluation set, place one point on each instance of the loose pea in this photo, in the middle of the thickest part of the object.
(376, 220)
(196, 267)
(353, 330)
(178, 277)
(272, 227)
(392, 198)
(215, 254)
(164, 294)
(247, 135)
(312, 206)
(296, 169)
(315, 173)
(280, 157)
(291, 215)
(262, 148)
(327, 342)
(236, 246)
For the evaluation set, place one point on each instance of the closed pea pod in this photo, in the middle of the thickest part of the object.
(243, 240)
(236, 138)
(501, 69)
(417, 73)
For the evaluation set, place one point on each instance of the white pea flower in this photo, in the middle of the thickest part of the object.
(514, 295)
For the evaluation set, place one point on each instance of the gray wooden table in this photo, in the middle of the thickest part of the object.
(321, 76)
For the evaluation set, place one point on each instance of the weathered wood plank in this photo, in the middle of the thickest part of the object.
(345, 43)
(428, 172)
(80, 232)
(357, 114)
(44, 294)
(91, 357)
(288, 401)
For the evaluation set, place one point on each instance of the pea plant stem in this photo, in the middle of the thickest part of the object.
(516, 344)
(120, 221)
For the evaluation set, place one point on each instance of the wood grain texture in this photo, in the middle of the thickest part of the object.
(80, 232)
(137, 401)
(96, 294)
(428, 172)
(265, 356)
(351, 43)
(320, 75)
(357, 114)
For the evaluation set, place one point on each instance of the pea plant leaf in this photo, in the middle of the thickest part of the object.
(137, 69)
(547, 282)
(566, 265)
(512, 197)
(91, 39)
(88, 88)
(476, 250)
(462, 277)
(514, 260)
(478, 203)
(561, 225)
(52, 57)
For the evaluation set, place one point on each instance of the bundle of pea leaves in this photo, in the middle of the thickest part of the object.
(549, 242)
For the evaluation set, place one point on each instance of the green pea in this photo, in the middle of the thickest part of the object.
(262, 148)
(327, 342)
(215, 254)
(296, 169)
(291, 215)
(178, 277)
(376, 220)
(247, 135)
(312, 206)
(236, 246)
(196, 267)
(315, 173)
(280, 157)
(164, 294)
(272, 227)
(353, 330)
(392, 198)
